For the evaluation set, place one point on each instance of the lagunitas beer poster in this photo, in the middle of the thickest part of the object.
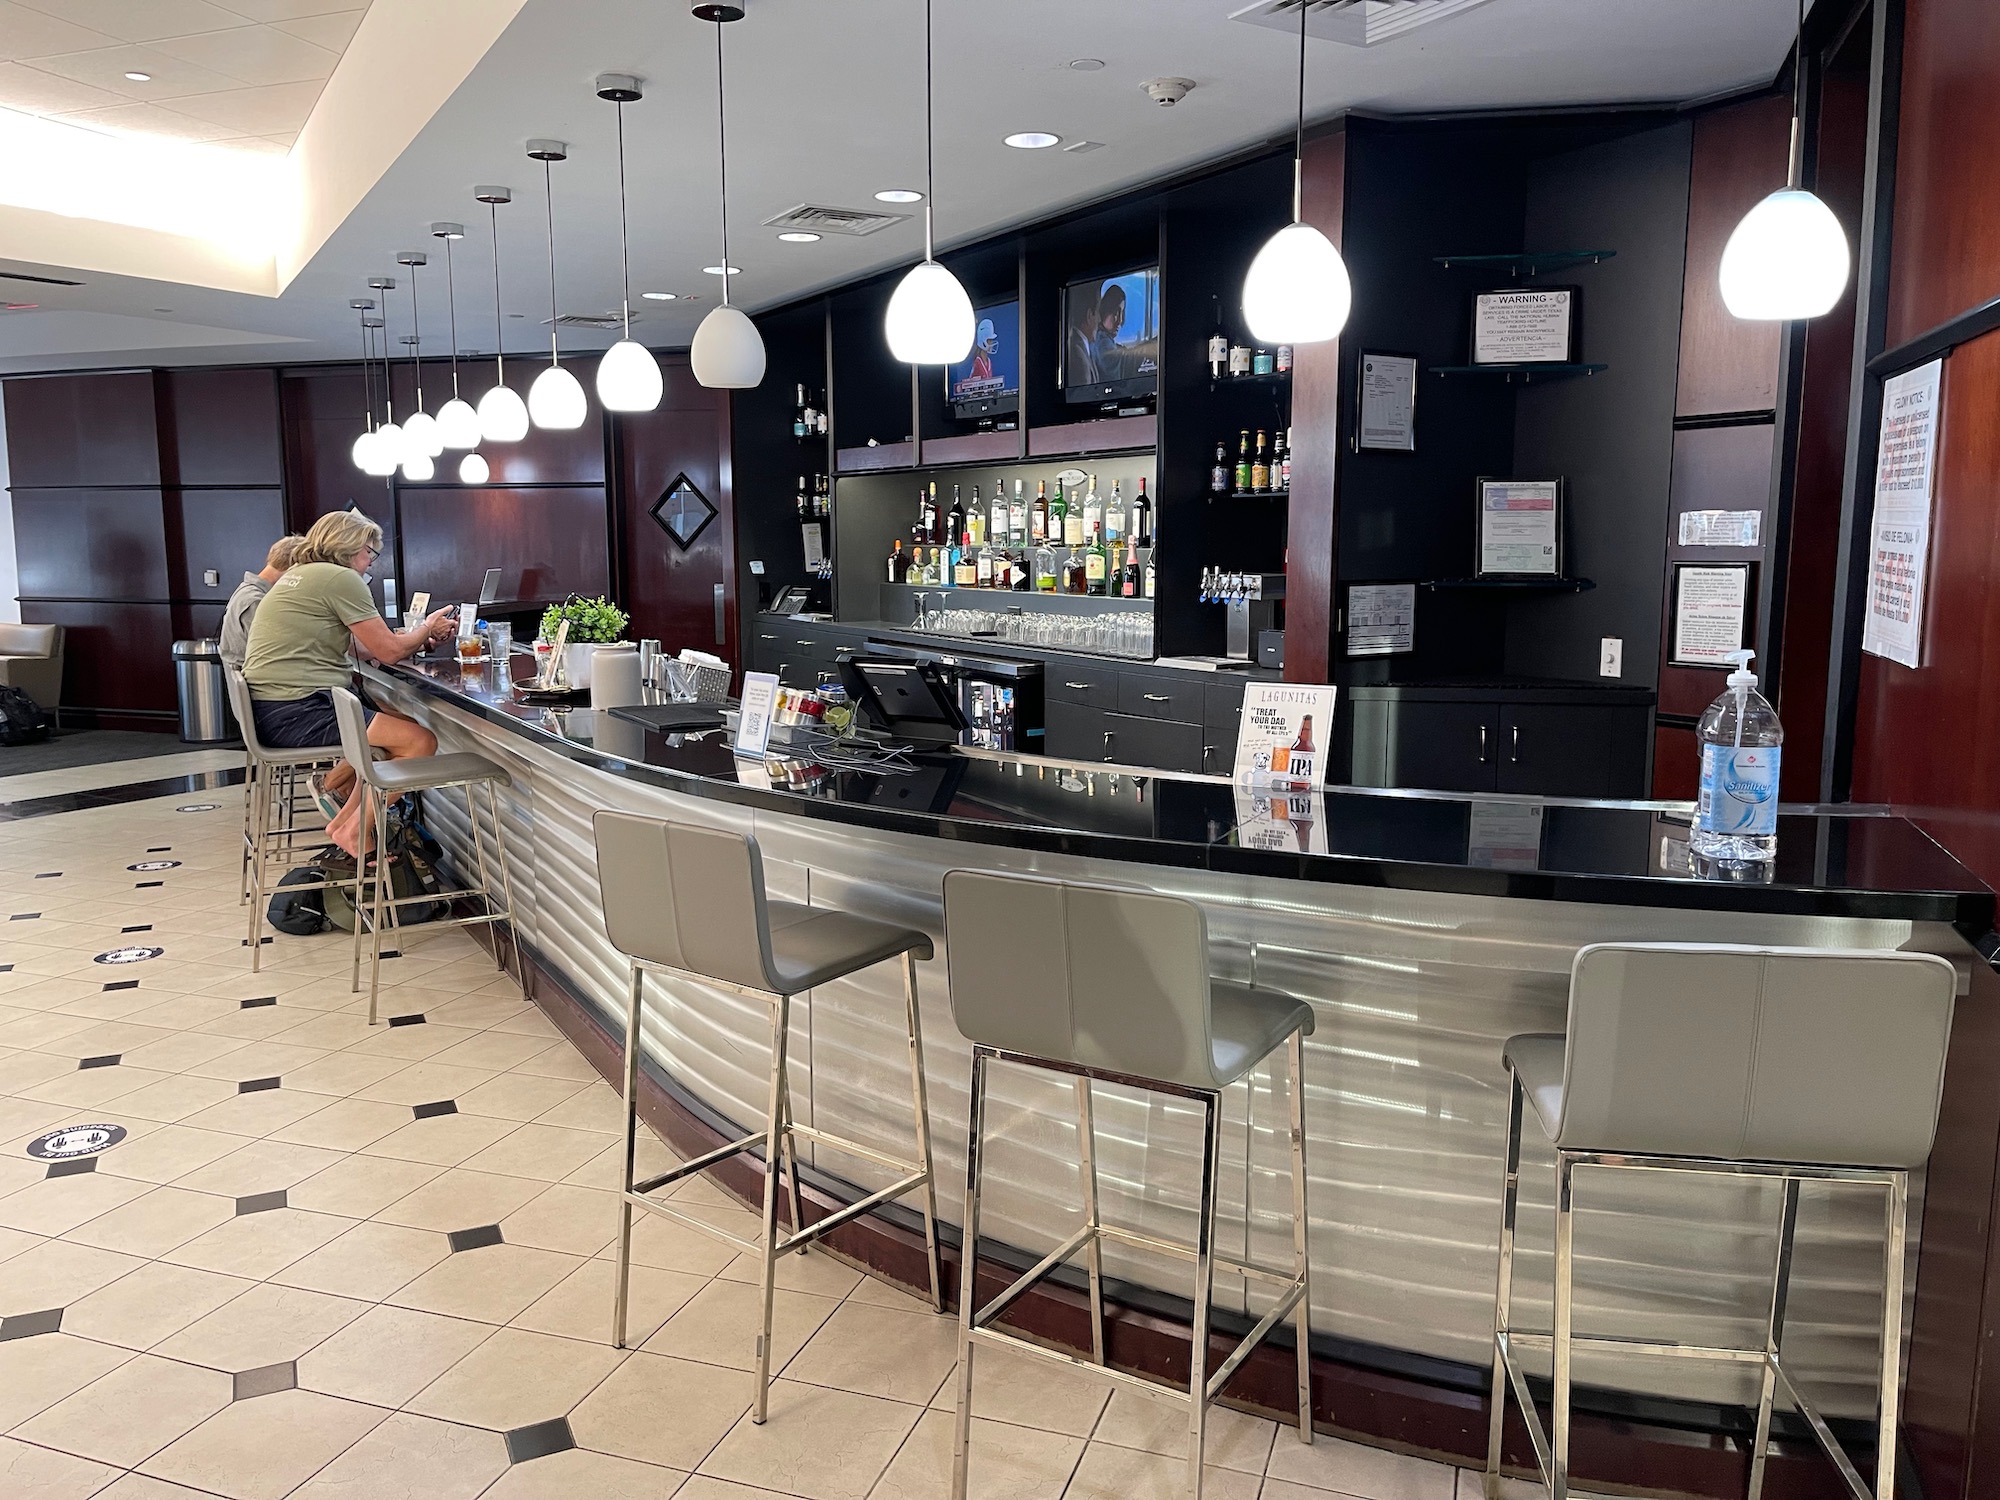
(1281, 740)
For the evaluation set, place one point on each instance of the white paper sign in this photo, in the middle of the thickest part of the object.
(1287, 821)
(760, 702)
(1721, 528)
(813, 543)
(1518, 527)
(1381, 619)
(1522, 327)
(1281, 738)
(1505, 836)
(1899, 557)
(1388, 403)
(1709, 609)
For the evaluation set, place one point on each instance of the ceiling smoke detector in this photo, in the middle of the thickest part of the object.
(1167, 92)
(1353, 23)
(821, 220)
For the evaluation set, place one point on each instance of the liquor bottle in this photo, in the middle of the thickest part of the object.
(1017, 519)
(1130, 579)
(1045, 568)
(1260, 466)
(799, 415)
(1114, 520)
(1039, 517)
(1093, 511)
(1152, 564)
(809, 418)
(1074, 581)
(927, 516)
(1096, 567)
(916, 576)
(1024, 570)
(1219, 476)
(1218, 347)
(975, 519)
(1283, 361)
(1058, 516)
(1072, 532)
(1142, 516)
(899, 565)
(1278, 459)
(799, 502)
(1285, 472)
(964, 566)
(996, 519)
(982, 569)
(821, 423)
(1243, 461)
(955, 520)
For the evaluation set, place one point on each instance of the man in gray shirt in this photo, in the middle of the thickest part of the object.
(235, 638)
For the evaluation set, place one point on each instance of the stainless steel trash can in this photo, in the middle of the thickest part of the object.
(205, 716)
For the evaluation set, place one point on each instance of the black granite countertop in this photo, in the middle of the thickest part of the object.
(1845, 863)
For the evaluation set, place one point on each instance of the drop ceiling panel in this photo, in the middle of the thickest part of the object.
(332, 32)
(31, 33)
(258, 111)
(141, 20)
(153, 120)
(254, 54)
(268, 11)
(105, 68)
(35, 92)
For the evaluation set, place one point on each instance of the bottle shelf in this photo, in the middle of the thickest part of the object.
(1278, 378)
(1101, 435)
(1251, 495)
(1543, 585)
(1029, 601)
(1528, 262)
(971, 448)
(876, 459)
(1526, 374)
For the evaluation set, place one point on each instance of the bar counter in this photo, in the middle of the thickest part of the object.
(1417, 945)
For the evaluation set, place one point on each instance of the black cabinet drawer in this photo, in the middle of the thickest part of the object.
(1155, 695)
(1222, 705)
(1567, 750)
(1081, 682)
(1445, 747)
(1074, 731)
(1163, 744)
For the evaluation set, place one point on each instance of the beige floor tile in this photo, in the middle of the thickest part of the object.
(822, 1444)
(262, 1114)
(1029, 1392)
(559, 1061)
(267, 1325)
(258, 1167)
(410, 1457)
(1357, 1469)
(578, 1221)
(167, 1152)
(388, 1354)
(597, 1108)
(529, 1022)
(494, 1284)
(140, 1309)
(547, 1153)
(1107, 1472)
(718, 1326)
(458, 1199)
(579, 1473)
(36, 1373)
(55, 1274)
(343, 1124)
(879, 1351)
(517, 1096)
(93, 1088)
(1235, 1439)
(816, 1271)
(480, 1011)
(703, 1487)
(176, 1098)
(23, 1070)
(137, 1486)
(623, 1415)
(1007, 1463)
(259, 1060)
(342, 1074)
(161, 1219)
(413, 1043)
(516, 1378)
(579, 1307)
(133, 1412)
(370, 1261)
(176, 1054)
(47, 1475)
(673, 1247)
(260, 1245)
(360, 1186)
(881, 1293)
(442, 1140)
(57, 1205)
(427, 1082)
(265, 1448)
(496, 1050)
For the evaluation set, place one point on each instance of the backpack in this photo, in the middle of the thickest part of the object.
(413, 860)
(22, 721)
(298, 907)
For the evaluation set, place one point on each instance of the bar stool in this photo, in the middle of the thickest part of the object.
(270, 805)
(690, 901)
(1116, 988)
(382, 782)
(1792, 1064)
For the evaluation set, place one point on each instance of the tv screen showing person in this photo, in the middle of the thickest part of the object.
(989, 378)
(1112, 338)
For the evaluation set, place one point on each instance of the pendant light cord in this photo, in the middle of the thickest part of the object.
(1299, 151)
(416, 339)
(367, 377)
(624, 227)
(549, 198)
(451, 297)
(1795, 167)
(930, 170)
(388, 369)
(722, 143)
(499, 326)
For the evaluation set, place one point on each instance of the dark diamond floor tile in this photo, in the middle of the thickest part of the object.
(27, 1325)
(260, 1001)
(475, 1239)
(108, 1060)
(433, 1110)
(259, 1203)
(540, 1440)
(266, 1380)
(256, 1085)
(138, 927)
(405, 1020)
(146, 885)
(71, 1168)
(123, 984)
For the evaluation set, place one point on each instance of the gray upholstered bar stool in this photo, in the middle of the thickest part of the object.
(1791, 1064)
(272, 837)
(1114, 986)
(690, 901)
(382, 782)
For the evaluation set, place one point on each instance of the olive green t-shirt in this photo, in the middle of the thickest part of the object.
(299, 637)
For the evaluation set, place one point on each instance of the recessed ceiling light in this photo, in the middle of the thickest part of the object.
(657, 296)
(799, 237)
(1033, 140)
(1086, 64)
(140, 77)
(899, 195)
(717, 270)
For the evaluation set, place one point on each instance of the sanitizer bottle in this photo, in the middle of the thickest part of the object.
(1736, 821)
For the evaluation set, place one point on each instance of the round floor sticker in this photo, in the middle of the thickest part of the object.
(156, 864)
(75, 1140)
(198, 807)
(132, 955)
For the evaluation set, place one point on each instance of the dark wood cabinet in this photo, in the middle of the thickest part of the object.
(1548, 741)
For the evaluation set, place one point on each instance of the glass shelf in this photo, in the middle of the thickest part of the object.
(1230, 382)
(1527, 374)
(1546, 585)
(1529, 262)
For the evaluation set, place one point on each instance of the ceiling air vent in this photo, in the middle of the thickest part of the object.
(855, 221)
(601, 321)
(1356, 23)
(38, 280)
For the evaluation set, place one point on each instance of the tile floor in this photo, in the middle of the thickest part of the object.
(325, 1261)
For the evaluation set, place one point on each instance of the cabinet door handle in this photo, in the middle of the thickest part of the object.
(1482, 744)
(1207, 755)
(1077, 687)
(1158, 697)
(803, 643)
(1514, 752)
(1107, 743)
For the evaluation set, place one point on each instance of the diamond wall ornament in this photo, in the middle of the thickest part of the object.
(683, 511)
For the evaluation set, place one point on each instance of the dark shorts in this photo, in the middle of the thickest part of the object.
(300, 723)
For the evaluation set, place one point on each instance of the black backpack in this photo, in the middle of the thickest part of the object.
(298, 907)
(22, 721)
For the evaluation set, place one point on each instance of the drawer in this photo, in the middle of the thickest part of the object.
(1155, 695)
(1081, 682)
(1074, 731)
(1163, 744)
(1222, 705)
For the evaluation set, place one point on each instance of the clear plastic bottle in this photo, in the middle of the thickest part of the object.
(1736, 820)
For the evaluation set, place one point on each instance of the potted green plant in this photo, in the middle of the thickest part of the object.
(592, 623)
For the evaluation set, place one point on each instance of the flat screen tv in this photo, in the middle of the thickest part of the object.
(1111, 337)
(988, 380)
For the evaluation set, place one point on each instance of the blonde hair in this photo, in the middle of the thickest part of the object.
(336, 537)
(284, 552)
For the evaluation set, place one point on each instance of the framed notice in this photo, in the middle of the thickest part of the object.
(1520, 528)
(1282, 735)
(1711, 611)
(1525, 326)
(1381, 619)
(1387, 422)
(1900, 535)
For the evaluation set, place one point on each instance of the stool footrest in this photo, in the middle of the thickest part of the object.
(1540, 1338)
(850, 1211)
(1080, 1365)
(854, 1148)
(689, 1221)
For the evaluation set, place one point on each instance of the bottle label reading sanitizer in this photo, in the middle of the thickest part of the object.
(1739, 789)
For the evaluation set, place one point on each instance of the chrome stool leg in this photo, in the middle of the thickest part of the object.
(620, 1305)
(1204, 1289)
(1510, 1199)
(260, 797)
(774, 1140)
(968, 1274)
(1774, 1334)
(507, 893)
(1086, 1135)
(1564, 1309)
(1301, 1224)
(920, 1098)
(1898, 1226)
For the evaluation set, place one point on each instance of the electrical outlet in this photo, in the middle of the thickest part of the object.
(212, 578)
(1611, 657)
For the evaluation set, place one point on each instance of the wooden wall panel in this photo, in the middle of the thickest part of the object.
(116, 657)
(1676, 763)
(546, 542)
(220, 427)
(669, 590)
(1311, 566)
(90, 544)
(82, 429)
(228, 531)
(1947, 218)
(321, 413)
(1739, 158)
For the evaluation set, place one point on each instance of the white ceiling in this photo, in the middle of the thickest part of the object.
(241, 72)
(825, 107)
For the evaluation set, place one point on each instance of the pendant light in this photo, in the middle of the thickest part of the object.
(1297, 291)
(420, 431)
(383, 453)
(388, 437)
(473, 469)
(503, 416)
(728, 351)
(555, 400)
(1788, 258)
(419, 463)
(458, 423)
(364, 445)
(628, 377)
(930, 318)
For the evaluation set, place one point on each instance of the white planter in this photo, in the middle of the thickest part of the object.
(576, 663)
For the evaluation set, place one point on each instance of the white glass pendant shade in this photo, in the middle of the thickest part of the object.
(503, 416)
(728, 351)
(388, 450)
(363, 449)
(1297, 291)
(628, 377)
(556, 400)
(930, 318)
(472, 469)
(1787, 259)
(420, 435)
(458, 424)
(418, 467)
